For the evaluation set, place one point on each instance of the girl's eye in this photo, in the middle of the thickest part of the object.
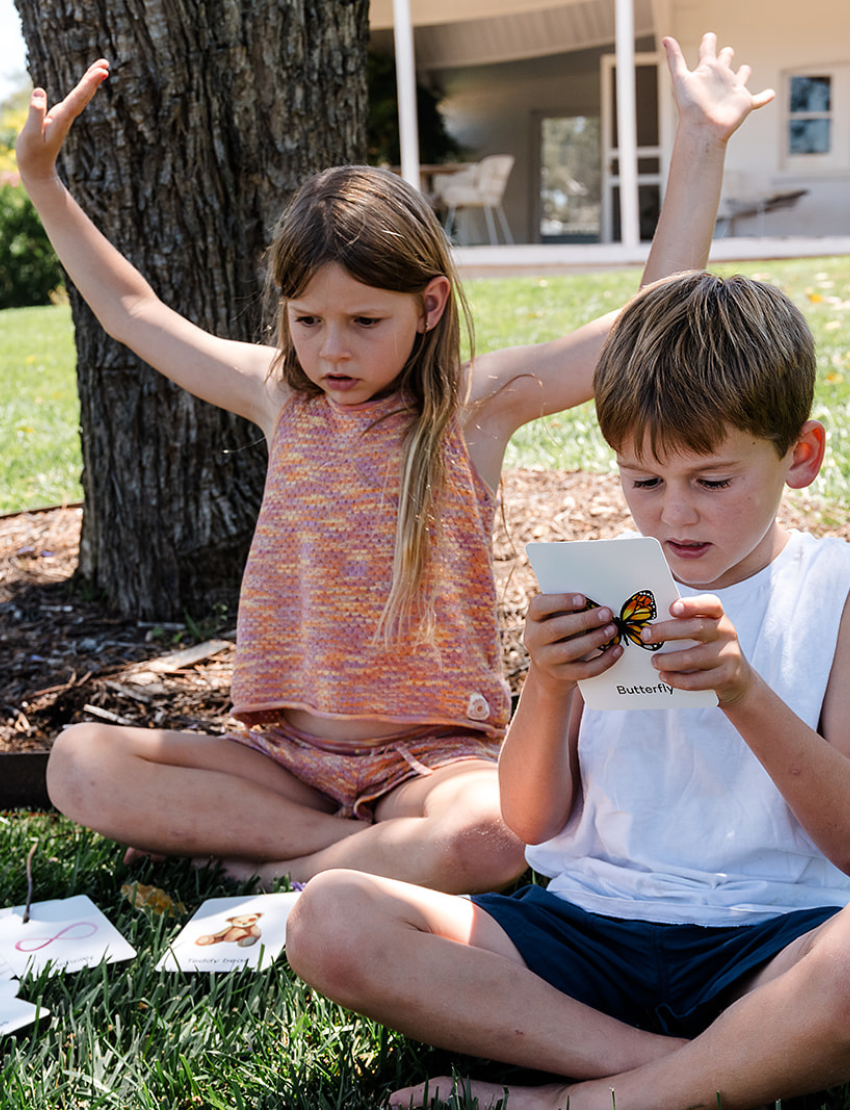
(366, 321)
(306, 321)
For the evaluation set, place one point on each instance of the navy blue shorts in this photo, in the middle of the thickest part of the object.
(672, 979)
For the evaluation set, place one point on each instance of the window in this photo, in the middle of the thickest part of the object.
(818, 120)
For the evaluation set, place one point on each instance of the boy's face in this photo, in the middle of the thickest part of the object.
(714, 515)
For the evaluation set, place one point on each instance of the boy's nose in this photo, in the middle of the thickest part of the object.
(678, 510)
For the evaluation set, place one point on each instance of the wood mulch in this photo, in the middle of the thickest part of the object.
(66, 657)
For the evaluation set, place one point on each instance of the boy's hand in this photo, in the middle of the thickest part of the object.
(564, 640)
(713, 94)
(715, 663)
(44, 132)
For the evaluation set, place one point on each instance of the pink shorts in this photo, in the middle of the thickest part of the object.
(356, 777)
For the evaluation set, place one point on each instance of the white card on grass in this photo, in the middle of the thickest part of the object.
(611, 573)
(14, 1012)
(228, 933)
(65, 933)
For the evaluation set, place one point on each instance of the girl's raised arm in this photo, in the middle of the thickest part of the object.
(513, 386)
(224, 372)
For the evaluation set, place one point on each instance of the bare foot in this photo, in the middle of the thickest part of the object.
(490, 1096)
(263, 873)
(133, 855)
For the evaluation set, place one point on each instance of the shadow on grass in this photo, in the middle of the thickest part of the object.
(127, 1036)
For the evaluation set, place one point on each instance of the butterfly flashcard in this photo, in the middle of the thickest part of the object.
(605, 572)
(635, 614)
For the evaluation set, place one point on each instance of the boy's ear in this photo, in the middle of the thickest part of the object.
(434, 301)
(807, 455)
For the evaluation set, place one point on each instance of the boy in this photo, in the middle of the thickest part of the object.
(692, 942)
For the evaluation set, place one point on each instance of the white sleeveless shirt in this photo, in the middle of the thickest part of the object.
(678, 821)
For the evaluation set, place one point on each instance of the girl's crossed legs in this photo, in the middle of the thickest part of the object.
(189, 794)
(459, 983)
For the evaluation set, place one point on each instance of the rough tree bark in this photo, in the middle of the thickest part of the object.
(215, 111)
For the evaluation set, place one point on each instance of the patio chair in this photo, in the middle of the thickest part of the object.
(480, 186)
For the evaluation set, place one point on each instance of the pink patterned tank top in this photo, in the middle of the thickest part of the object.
(319, 574)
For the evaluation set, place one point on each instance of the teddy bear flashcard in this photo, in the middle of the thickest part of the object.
(228, 933)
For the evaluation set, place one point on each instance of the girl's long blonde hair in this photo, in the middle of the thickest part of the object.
(385, 235)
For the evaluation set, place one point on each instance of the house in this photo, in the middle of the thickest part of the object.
(537, 79)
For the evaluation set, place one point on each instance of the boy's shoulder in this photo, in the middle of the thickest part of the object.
(807, 554)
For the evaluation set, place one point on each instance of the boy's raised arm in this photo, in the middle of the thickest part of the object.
(224, 372)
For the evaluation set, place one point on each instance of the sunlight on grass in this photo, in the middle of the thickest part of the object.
(39, 411)
(512, 311)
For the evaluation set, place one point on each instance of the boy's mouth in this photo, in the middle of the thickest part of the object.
(688, 549)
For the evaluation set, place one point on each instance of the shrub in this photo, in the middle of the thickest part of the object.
(29, 269)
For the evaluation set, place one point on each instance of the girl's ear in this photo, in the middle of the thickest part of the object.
(434, 301)
(807, 455)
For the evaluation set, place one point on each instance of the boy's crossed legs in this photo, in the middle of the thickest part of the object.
(189, 794)
(458, 982)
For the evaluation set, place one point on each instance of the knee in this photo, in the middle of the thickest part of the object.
(328, 933)
(71, 767)
(482, 854)
(827, 973)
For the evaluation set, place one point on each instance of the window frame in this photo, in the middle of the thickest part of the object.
(837, 158)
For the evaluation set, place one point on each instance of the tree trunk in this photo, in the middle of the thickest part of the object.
(214, 112)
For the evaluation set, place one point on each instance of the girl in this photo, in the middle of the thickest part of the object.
(367, 680)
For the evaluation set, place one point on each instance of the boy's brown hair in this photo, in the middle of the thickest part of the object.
(694, 354)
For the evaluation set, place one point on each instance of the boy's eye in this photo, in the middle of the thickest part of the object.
(646, 483)
(716, 483)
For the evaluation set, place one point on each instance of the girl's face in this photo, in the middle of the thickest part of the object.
(351, 339)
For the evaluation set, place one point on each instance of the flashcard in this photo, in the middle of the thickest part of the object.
(228, 933)
(6, 970)
(632, 578)
(65, 934)
(14, 1012)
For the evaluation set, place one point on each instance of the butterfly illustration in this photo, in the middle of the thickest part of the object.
(636, 612)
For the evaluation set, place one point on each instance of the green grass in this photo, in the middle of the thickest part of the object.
(39, 412)
(127, 1036)
(509, 311)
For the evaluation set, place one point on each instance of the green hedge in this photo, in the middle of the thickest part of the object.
(29, 269)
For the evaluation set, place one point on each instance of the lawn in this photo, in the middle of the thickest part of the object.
(39, 411)
(127, 1036)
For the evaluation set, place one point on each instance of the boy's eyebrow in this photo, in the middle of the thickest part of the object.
(713, 463)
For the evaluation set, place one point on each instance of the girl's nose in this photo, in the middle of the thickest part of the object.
(333, 348)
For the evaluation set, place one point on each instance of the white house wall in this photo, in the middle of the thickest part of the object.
(774, 38)
(494, 108)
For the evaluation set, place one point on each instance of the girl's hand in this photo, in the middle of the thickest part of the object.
(564, 640)
(713, 94)
(44, 132)
(716, 662)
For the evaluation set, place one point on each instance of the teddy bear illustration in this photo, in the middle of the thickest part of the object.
(241, 929)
